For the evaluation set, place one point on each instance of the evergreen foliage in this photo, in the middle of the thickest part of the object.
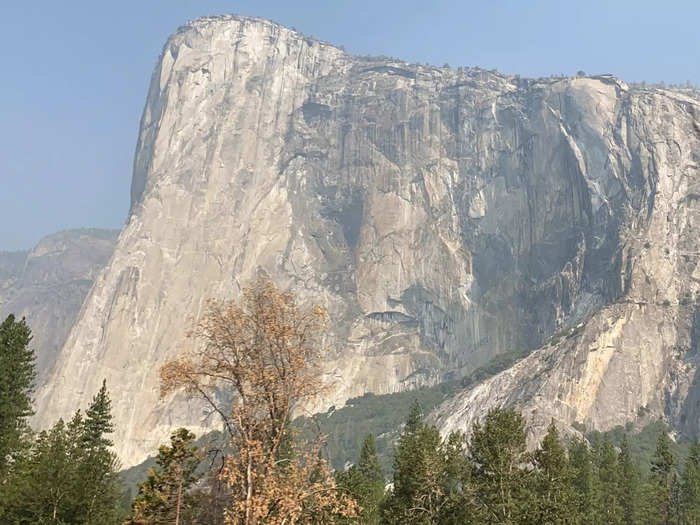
(382, 415)
(16, 384)
(412, 498)
(54, 456)
(629, 478)
(364, 482)
(609, 508)
(690, 487)
(498, 453)
(642, 443)
(69, 475)
(555, 501)
(661, 482)
(444, 481)
(98, 467)
(165, 496)
(379, 415)
(429, 475)
(585, 486)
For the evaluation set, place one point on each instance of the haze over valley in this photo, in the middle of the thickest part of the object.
(481, 241)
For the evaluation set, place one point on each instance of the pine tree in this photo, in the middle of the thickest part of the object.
(69, 475)
(458, 501)
(16, 384)
(98, 467)
(364, 482)
(414, 422)
(98, 421)
(372, 487)
(555, 501)
(497, 451)
(55, 455)
(164, 497)
(660, 482)
(409, 453)
(690, 487)
(676, 501)
(584, 482)
(629, 477)
(609, 508)
(419, 471)
(51, 460)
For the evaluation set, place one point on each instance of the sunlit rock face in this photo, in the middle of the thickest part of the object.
(442, 216)
(48, 285)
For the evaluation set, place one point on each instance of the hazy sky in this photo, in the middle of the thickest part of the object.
(75, 74)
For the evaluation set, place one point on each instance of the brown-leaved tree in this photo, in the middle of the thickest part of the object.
(263, 352)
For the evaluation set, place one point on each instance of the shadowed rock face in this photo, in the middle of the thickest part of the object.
(48, 285)
(443, 217)
(635, 358)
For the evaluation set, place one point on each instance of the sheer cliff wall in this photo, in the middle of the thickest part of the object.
(48, 284)
(442, 216)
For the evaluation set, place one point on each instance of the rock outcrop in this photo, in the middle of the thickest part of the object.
(444, 216)
(48, 285)
(636, 358)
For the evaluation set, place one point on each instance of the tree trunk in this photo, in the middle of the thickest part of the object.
(179, 503)
(249, 490)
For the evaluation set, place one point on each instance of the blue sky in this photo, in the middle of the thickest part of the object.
(75, 75)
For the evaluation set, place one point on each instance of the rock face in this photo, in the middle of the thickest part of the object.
(49, 284)
(443, 216)
(634, 359)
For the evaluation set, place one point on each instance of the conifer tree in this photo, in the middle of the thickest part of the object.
(52, 459)
(55, 455)
(414, 421)
(411, 446)
(369, 463)
(458, 500)
(584, 480)
(497, 451)
(555, 501)
(416, 485)
(609, 508)
(661, 481)
(676, 502)
(364, 482)
(16, 384)
(164, 497)
(629, 477)
(70, 476)
(690, 487)
(98, 421)
(371, 490)
(424, 481)
(98, 466)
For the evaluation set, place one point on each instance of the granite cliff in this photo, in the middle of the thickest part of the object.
(48, 285)
(444, 216)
